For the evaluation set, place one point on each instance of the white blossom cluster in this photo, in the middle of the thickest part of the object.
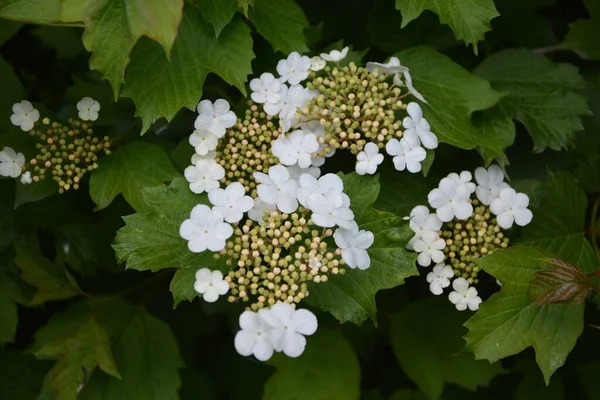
(282, 188)
(452, 201)
(284, 96)
(25, 116)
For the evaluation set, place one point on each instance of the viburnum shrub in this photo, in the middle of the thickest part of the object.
(299, 200)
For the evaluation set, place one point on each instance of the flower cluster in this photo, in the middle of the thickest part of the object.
(66, 152)
(344, 107)
(464, 228)
(278, 228)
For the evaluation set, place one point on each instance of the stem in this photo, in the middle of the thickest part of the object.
(593, 274)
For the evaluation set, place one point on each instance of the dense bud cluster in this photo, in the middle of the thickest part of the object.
(273, 260)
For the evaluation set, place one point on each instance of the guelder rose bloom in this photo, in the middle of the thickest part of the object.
(335, 55)
(317, 63)
(210, 284)
(405, 156)
(265, 89)
(464, 296)
(254, 338)
(511, 207)
(489, 183)
(449, 201)
(331, 209)
(368, 159)
(296, 148)
(203, 141)
(277, 188)
(422, 221)
(88, 109)
(11, 162)
(417, 129)
(204, 175)
(215, 117)
(231, 202)
(439, 278)
(205, 229)
(294, 69)
(24, 115)
(354, 245)
(288, 327)
(429, 247)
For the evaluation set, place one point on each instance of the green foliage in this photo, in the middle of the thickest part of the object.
(328, 369)
(35, 11)
(351, 297)
(432, 354)
(469, 19)
(218, 12)
(282, 23)
(562, 282)
(584, 34)
(129, 169)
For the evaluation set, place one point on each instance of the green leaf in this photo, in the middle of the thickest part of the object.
(328, 369)
(432, 354)
(218, 12)
(8, 29)
(21, 375)
(584, 34)
(161, 91)
(562, 282)
(112, 27)
(13, 93)
(11, 293)
(540, 95)
(129, 169)
(33, 11)
(182, 285)
(35, 191)
(52, 281)
(151, 241)
(145, 352)
(509, 321)
(407, 394)
(468, 19)
(78, 350)
(453, 95)
(282, 23)
(351, 297)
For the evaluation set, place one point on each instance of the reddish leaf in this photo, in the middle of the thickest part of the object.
(561, 282)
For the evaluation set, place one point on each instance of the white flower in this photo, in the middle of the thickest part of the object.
(294, 69)
(11, 163)
(231, 201)
(290, 100)
(354, 245)
(214, 117)
(210, 284)
(422, 221)
(211, 155)
(277, 188)
(406, 156)
(417, 129)
(288, 327)
(24, 115)
(204, 175)
(391, 67)
(511, 207)
(254, 337)
(295, 171)
(309, 184)
(368, 159)
(203, 141)
(265, 89)
(449, 202)
(317, 63)
(335, 55)
(296, 148)
(429, 247)
(439, 278)
(88, 109)
(331, 209)
(257, 212)
(464, 296)
(205, 230)
(26, 178)
(489, 183)
(463, 182)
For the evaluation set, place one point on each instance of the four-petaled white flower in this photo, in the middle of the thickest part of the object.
(429, 247)
(205, 229)
(231, 201)
(391, 67)
(291, 99)
(464, 296)
(277, 188)
(335, 55)
(317, 63)
(354, 245)
(449, 202)
(214, 117)
(11, 162)
(211, 155)
(296, 148)
(265, 89)
(489, 183)
(417, 129)
(254, 337)
(368, 159)
(257, 212)
(511, 207)
(422, 221)
(463, 181)
(293, 69)
(405, 156)
(203, 141)
(204, 175)
(88, 109)
(24, 115)
(26, 178)
(309, 184)
(288, 327)
(439, 278)
(210, 284)
(331, 209)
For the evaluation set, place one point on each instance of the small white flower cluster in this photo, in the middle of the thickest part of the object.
(457, 232)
